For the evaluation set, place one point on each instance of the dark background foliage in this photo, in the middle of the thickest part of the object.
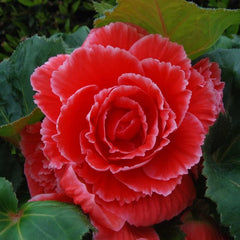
(20, 19)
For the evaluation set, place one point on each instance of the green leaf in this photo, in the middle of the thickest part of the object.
(11, 131)
(101, 7)
(46, 220)
(222, 145)
(195, 28)
(227, 43)
(16, 94)
(17, 108)
(10, 107)
(16, 72)
(8, 200)
(223, 187)
(75, 6)
(29, 55)
(232, 30)
(223, 42)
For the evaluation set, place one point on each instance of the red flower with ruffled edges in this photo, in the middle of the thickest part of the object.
(125, 118)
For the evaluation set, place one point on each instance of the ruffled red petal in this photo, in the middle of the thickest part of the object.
(46, 100)
(137, 180)
(211, 72)
(72, 121)
(50, 149)
(127, 232)
(108, 118)
(159, 117)
(40, 178)
(97, 65)
(136, 95)
(204, 102)
(172, 83)
(183, 151)
(78, 192)
(117, 34)
(155, 208)
(99, 163)
(158, 47)
(106, 185)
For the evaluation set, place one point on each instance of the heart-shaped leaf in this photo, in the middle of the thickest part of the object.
(46, 220)
(17, 108)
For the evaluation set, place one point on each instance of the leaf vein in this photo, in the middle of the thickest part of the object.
(161, 19)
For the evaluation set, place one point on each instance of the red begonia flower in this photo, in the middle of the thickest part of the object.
(125, 118)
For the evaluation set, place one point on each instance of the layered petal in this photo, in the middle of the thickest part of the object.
(212, 73)
(153, 209)
(118, 121)
(157, 47)
(96, 65)
(78, 192)
(106, 185)
(50, 148)
(128, 123)
(204, 103)
(137, 180)
(181, 154)
(172, 82)
(165, 121)
(117, 34)
(46, 100)
(99, 163)
(72, 121)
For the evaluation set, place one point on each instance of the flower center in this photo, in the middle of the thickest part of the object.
(123, 125)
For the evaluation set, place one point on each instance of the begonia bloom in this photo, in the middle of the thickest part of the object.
(125, 118)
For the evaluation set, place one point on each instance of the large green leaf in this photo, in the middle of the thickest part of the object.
(46, 220)
(17, 108)
(16, 93)
(222, 145)
(195, 28)
(223, 182)
(30, 54)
